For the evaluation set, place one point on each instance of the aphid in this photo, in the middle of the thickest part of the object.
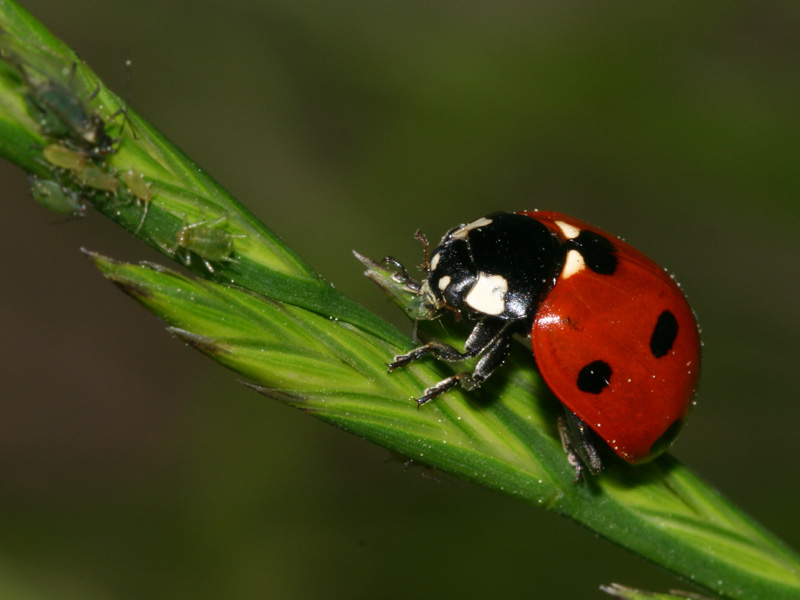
(140, 189)
(137, 185)
(95, 177)
(63, 115)
(64, 158)
(53, 196)
(207, 240)
(86, 172)
(54, 100)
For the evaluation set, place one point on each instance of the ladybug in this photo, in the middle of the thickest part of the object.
(612, 334)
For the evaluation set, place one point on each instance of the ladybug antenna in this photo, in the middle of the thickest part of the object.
(423, 239)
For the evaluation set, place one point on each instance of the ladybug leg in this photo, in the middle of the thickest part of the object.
(576, 438)
(479, 340)
(490, 337)
(440, 388)
(493, 356)
(438, 349)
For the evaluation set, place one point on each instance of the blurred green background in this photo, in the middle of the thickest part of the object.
(133, 467)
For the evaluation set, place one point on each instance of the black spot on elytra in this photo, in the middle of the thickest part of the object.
(664, 334)
(597, 251)
(594, 377)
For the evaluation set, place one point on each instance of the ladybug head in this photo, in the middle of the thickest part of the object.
(497, 266)
(451, 274)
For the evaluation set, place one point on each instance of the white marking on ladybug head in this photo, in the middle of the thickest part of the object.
(434, 261)
(462, 232)
(574, 264)
(488, 295)
(569, 231)
(444, 282)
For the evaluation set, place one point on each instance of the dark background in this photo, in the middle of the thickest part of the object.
(133, 467)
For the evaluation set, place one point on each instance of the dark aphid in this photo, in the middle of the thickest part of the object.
(53, 196)
(54, 99)
(63, 115)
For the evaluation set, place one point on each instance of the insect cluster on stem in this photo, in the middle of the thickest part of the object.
(77, 136)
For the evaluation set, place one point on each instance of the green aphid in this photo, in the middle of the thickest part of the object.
(86, 172)
(53, 196)
(140, 189)
(64, 158)
(207, 240)
(137, 185)
(97, 178)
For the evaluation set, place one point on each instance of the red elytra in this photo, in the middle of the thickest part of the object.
(594, 319)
